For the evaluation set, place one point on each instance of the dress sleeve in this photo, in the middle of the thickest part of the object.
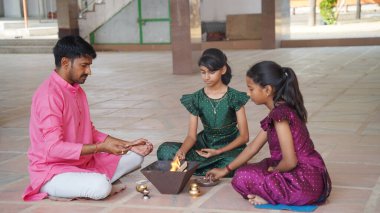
(190, 103)
(281, 113)
(265, 123)
(238, 99)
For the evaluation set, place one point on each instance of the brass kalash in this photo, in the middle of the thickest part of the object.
(170, 177)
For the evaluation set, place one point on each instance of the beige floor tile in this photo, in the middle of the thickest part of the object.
(371, 140)
(357, 175)
(66, 208)
(373, 128)
(14, 208)
(348, 196)
(225, 198)
(355, 154)
(12, 192)
(182, 200)
(346, 208)
(17, 164)
(153, 210)
(329, 127)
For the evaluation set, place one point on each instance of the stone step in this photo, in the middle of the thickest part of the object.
(11, 25)
(28, 42)
(27, 45)
(29, 33)
(14, 29)
(26, 49)
(43, 31)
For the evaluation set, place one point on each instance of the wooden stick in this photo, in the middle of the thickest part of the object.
(182, 167)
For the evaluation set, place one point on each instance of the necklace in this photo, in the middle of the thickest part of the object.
(216, 100)
(216, 105)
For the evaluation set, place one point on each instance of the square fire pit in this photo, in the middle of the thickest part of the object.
(167, 182)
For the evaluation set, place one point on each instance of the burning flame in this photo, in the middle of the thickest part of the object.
(175, 164)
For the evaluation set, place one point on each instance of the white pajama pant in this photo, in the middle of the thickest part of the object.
(90, 185)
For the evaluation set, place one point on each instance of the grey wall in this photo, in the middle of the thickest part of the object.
(1, 8)
(12, 8)
(36, 8)
(123, 28)
(33, 8)
(217, 10)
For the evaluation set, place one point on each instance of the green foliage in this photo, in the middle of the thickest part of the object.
(327, 11)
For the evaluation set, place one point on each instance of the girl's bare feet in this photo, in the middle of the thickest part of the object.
(256, 200)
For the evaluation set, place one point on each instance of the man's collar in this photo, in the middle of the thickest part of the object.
(73, 88)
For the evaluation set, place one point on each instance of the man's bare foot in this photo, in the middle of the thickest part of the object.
(256, 200)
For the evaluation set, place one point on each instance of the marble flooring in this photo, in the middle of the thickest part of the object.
(135, 94)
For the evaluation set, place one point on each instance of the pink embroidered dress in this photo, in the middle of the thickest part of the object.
(60, 124)
(308, 183)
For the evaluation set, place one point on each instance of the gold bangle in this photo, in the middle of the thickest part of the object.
(96, 148)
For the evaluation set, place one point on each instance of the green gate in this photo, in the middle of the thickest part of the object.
(150, 24)
(154, 25)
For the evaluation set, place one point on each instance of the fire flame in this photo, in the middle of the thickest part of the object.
(175, 164)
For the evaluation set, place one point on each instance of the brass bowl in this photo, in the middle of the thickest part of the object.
(141, 187)
(194, 190)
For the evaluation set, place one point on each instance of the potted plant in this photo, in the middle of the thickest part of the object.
(327, 11)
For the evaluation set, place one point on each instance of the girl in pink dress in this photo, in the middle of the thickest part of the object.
(295, 173)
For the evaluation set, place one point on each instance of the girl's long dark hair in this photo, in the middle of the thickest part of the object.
(284, 82)
(214, 59)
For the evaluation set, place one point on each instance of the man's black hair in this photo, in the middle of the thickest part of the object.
(72, 47)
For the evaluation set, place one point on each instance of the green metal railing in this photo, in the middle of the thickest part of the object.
(142, 21)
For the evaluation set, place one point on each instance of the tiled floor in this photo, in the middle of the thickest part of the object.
(347, 26)
(135, 95)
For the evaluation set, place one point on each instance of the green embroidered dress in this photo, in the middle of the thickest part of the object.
(219, 121)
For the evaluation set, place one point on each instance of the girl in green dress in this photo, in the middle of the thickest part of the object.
(221, 111)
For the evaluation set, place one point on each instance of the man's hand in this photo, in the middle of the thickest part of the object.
(141, 146)
(114, 146)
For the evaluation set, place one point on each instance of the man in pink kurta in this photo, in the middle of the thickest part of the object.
(63, 138)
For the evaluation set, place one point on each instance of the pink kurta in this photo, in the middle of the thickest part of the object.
(60, 124)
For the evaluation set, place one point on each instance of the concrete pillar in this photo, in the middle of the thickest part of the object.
(195, 32)
(67, 15)
(181, 39)
(275, 24)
